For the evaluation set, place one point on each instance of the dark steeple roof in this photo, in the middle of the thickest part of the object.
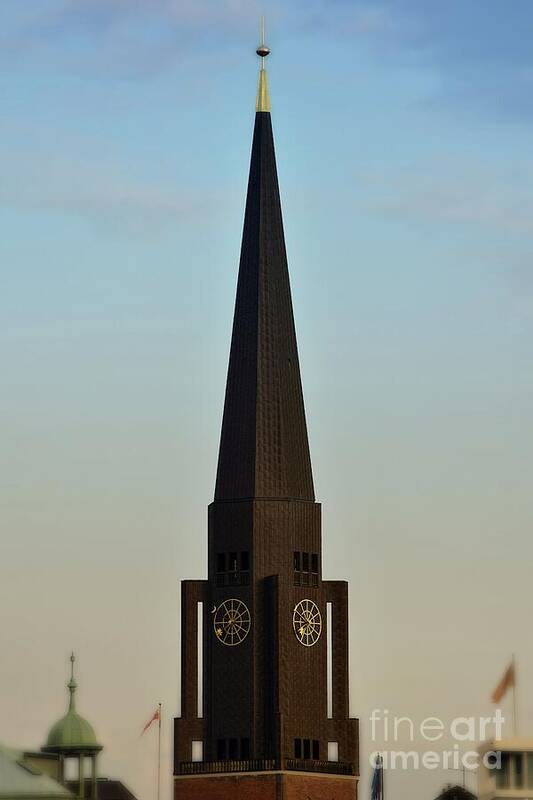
(264, 451)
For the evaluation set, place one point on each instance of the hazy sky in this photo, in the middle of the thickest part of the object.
(405, 153)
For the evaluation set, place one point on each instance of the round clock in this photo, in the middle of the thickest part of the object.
(307, 622)
(231, 622)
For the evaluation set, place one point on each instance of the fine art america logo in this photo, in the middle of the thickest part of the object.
(462, 731)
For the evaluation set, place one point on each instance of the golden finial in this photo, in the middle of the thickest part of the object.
(263, 99)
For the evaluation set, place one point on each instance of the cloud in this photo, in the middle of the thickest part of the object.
(498, 199)
(483, 60)
(91, 31)
(122, 37)
(482, 57)
(61, 19)
(105, 198)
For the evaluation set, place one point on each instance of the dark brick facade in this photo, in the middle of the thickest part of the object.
(266, 786)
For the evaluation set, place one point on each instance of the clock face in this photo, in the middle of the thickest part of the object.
(307, 622)
(231, 622)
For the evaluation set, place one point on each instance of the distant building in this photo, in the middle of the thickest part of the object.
(20, 779)
(41, 775)
(510, 777)
(455, 793)
(106, 789)
(72, 737)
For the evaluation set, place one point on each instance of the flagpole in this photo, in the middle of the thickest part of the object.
(159, 756)
(515, 717)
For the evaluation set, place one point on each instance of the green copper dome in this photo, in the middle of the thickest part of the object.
(72, 733)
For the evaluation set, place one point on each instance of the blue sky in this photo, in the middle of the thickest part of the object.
(403, 133)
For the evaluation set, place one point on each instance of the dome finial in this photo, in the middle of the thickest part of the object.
(263, 98)
(72, 685)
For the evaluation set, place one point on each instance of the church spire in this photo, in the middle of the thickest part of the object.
(264, 451)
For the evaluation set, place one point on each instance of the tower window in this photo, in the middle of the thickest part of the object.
(307, 749)
(197, 753)
(229, 749)
(232, 569)
(333, 751)
(305, 569)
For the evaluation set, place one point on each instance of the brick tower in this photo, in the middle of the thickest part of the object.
(264, 697)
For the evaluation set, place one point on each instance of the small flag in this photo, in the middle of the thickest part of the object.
(507, 681)
(156, 717)
(377, 780)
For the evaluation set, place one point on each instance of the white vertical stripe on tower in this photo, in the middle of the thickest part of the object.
(200, 653)
(329, 667)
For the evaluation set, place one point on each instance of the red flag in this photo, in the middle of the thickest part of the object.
(156, 717)
(507, 681)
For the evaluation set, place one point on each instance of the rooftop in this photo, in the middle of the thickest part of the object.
(21, 781)
(107, 789)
